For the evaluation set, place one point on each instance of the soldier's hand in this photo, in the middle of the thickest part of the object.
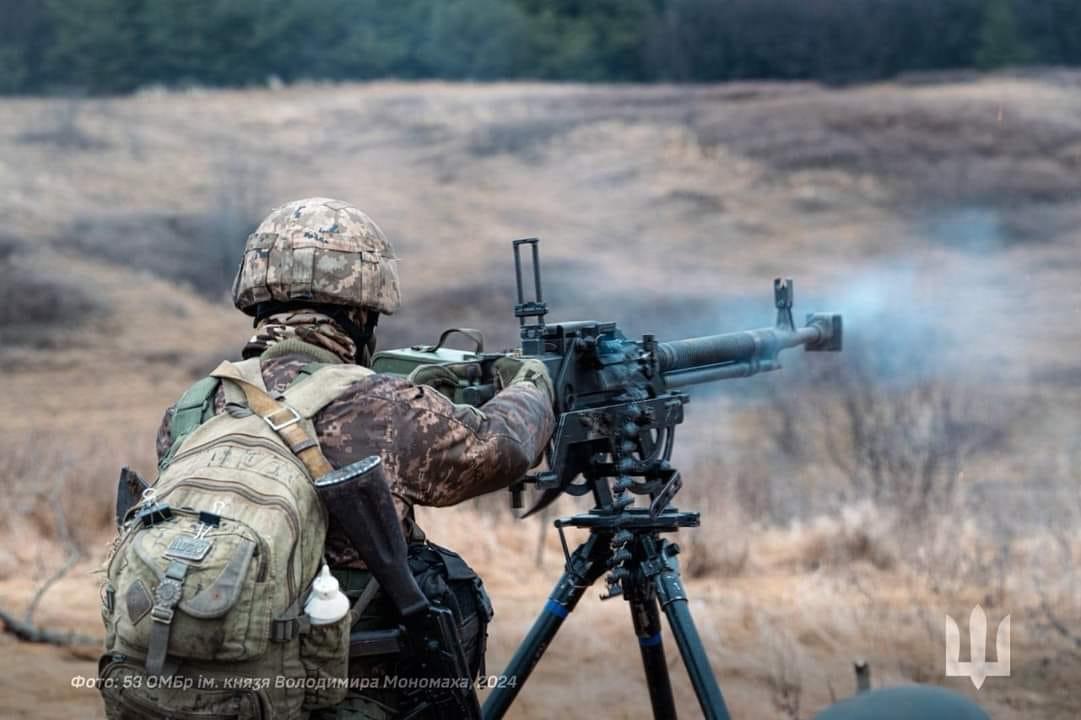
(510, 370)
(443, 378)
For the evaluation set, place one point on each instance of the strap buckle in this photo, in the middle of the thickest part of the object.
(292, 420)
(162, 614)
(285, 629)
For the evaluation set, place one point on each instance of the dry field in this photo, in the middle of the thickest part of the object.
(849, 501)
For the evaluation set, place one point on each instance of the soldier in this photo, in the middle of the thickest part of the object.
(316, 276)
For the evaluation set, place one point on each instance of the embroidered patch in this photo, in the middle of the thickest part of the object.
(188, 547)
(138, 601)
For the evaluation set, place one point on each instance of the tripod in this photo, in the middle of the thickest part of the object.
(641, 567)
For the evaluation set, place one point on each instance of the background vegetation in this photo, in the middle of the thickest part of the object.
(116, 46)
(848, 502)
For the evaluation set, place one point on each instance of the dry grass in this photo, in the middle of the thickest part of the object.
(941, 218)
(780, 635)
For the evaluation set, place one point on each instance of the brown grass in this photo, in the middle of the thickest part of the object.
(948, 207)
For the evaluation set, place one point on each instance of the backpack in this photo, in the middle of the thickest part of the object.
(204, 596)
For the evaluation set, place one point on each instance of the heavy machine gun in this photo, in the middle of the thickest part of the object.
(618, 402)
(617, 399)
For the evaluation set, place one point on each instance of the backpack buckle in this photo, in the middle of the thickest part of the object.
(285, 629)
(161, 614)
(293, 419)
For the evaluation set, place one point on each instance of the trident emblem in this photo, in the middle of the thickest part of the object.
(977, 668)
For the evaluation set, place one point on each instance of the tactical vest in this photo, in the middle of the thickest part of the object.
(204, 593)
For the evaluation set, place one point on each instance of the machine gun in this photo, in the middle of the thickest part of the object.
(617, 399)
(618, 402)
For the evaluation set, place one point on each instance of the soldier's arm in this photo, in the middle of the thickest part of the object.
(486, 449)
(435, 452)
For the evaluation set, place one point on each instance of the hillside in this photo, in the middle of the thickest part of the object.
(942, 217)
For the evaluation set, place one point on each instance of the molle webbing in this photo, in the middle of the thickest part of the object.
(193, 408)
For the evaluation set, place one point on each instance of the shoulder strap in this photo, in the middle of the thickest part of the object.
(310, 394)
(282, 418)
(193, 408)
(252, 371)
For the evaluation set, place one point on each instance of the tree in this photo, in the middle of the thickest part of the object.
(26, 31)
(98, 46)
(1000, 41)
(475, 39)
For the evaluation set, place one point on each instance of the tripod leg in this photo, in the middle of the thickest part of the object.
(585, 566)
(647, 626)
(673, 599)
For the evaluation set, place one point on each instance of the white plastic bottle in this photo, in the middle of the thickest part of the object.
(326, 604)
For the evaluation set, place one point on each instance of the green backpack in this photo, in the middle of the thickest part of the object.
(204, 595)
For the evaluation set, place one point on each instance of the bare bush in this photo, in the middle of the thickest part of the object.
(722, 557)
(1052, 564)
(62, 486)
(238, 201)
(35, 299)
(859, 535)
(58, 125)
(785, 674)
(900, 444)
(201, 249)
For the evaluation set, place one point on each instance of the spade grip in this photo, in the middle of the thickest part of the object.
(358, 499)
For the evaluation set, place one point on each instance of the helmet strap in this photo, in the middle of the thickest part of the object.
(365, 338)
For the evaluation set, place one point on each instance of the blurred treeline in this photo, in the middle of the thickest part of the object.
(113, 46)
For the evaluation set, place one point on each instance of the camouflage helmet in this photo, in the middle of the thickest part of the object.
(319, 251)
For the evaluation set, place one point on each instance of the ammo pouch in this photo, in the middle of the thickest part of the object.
(446, 580)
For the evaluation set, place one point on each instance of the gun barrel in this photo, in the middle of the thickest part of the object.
(739, 354)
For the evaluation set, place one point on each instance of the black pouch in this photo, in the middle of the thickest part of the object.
(445, 578)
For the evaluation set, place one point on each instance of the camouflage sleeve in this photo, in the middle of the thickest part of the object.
(435, 452)
(165, 435)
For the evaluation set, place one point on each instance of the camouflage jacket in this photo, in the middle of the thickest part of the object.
(434, 452)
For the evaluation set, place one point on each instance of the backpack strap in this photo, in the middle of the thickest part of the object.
(322, 385)
(252, 371)
(193, 408)
(166, 598)
(282, 418)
